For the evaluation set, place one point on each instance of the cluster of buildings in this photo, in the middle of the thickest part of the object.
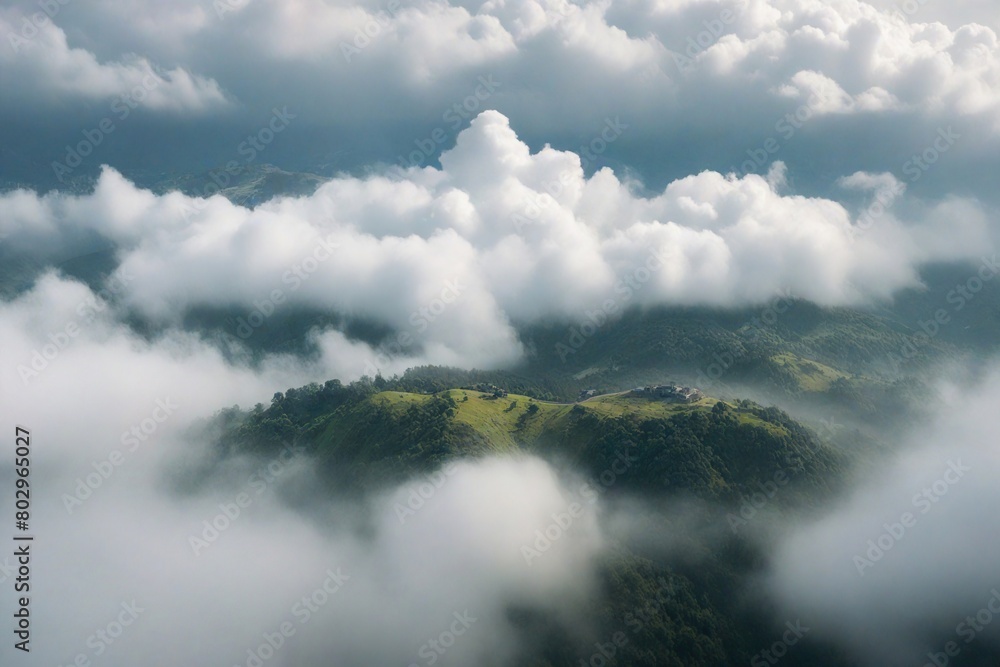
(670, 392)
(486, 388)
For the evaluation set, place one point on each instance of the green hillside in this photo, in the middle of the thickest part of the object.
(365, 436)
(369, 435)
(810, 376)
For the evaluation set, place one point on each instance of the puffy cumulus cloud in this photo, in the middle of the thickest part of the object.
(42, 70)
(675, 72)
(851, 56)
(123, 486)
(824, 95)
(907, 562)
(436, 37)
(453, 259)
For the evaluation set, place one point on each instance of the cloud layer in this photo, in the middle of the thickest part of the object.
(675, 72)
(856, 57)
(126, 536)
(825, 149)
(41, 70)
(897, 569)
(453, 259)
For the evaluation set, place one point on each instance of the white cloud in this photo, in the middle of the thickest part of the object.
(917, 534)
(128, 535)
(857, 58)
(40, 68)
(454, 258)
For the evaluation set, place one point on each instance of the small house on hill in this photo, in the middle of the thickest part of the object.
(487, 388)
(670, 392)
